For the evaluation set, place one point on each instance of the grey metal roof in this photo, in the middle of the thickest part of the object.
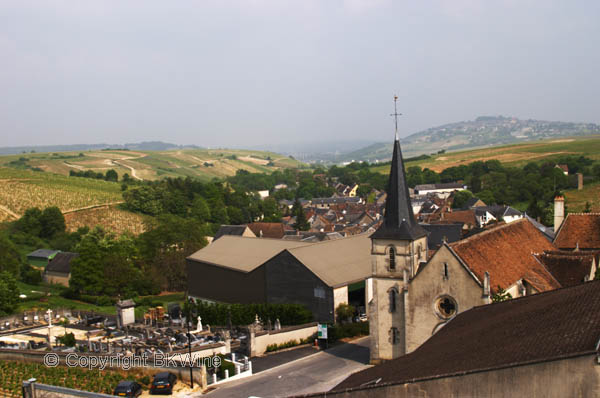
(61, 263)
(42, 253)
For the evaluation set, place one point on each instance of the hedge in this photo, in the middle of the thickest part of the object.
(245, 314)
(340, 331)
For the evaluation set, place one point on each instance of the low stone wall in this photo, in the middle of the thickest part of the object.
(259, 341)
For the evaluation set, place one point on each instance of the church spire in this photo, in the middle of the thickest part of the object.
(399, 220)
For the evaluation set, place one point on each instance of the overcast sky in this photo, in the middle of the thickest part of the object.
(254, 72)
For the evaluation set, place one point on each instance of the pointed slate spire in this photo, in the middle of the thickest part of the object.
(399, 220)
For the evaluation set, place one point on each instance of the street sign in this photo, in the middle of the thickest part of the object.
(322, 330)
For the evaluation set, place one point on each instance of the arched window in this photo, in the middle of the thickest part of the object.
(392, 258)
(393, 298)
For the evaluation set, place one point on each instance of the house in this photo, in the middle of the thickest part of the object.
(40, 258)
(319, 276)
(466, 217)
(440, 233)
(487, 214)
(473, 202)
(544, 345)
(570, 268)
(279, 187)
(564, 168)
(263, 194)
(234, 230)
(444, 189)
(58, 269)
(579, 230)
(273, 230)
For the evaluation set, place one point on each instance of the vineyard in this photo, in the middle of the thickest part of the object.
(22, 189)
(12, 374)
(110, 218)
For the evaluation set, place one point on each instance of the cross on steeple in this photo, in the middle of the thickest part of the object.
(395, 115)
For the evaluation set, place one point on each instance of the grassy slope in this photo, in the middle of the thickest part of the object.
(153, 165)
(513, 155)
(576, 200)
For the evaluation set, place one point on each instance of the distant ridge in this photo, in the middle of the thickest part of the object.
(482, 132)
(141, 146)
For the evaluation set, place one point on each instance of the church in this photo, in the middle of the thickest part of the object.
(412, 294)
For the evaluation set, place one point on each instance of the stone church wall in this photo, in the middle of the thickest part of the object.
(431, 285)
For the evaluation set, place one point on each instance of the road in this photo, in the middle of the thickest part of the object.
(319, 372)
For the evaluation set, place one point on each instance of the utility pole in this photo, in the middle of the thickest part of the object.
(189, 336)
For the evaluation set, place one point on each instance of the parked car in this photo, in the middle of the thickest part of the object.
(127, 388)
(163, 383)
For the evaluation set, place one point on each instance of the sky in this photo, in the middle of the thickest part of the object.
(254, 73)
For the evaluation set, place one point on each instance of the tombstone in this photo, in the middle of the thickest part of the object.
(277, 324)
(199, 326)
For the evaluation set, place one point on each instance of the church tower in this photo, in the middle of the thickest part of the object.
(397, 248)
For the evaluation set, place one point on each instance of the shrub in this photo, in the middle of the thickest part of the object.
(344, 312)
(244, 314)
(341, 331)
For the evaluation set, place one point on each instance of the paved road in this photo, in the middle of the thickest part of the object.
(319, 372)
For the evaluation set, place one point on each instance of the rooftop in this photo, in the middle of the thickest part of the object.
(61, 263)
(579, 230)
(506, 252)
(552, 325)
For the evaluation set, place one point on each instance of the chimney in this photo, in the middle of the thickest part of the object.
(579, 181)
(559, 212)
(486, 286)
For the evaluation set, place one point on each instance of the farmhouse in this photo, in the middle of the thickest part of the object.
(40, 258)
(58, 269)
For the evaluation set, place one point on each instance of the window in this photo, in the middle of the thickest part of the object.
(393, 297)
(445, 270)
(394, 335)
(392, 258)
(319, 292)
(446, 307)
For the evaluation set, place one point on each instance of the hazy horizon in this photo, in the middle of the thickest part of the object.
(267, 73)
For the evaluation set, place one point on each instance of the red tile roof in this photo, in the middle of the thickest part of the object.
(464, 216)
(538, 328)
(570, 268)
(274, 230)
(506, 252)
(581, 229)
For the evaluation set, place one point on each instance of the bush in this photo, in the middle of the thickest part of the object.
(225, 365)
(344, 312)
(244, 314)
(341, 331)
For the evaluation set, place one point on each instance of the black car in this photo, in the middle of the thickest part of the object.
(163, 383)
(127, 388)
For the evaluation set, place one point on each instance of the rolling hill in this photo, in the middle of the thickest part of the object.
(485, 131)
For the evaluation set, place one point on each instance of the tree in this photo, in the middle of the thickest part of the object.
(111, 175)
(68, 340)
(301, 221)
(11, 259)
(200, 209)
(52, 221)
(344, 312)
(461, 198)
(9, 294)
(501, 295)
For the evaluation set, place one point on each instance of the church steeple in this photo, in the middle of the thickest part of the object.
(399, 220)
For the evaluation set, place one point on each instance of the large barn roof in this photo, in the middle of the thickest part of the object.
(242, 254)
(338, 262)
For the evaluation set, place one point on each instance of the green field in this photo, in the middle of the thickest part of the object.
(22, 189)
(204, 164)
(576, 200)
(512, 155)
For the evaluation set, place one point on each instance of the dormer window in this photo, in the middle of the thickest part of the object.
(392, 258)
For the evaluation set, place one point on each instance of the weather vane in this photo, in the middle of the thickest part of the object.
(395, 115)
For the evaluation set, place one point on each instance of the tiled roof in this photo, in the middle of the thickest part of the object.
(568, 267)
(272, 230)
(61, 262)
(506, 252)
(537, 328)
(579, 229)
(464, 216)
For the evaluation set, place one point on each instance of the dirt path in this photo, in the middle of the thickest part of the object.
(9, 212)
(91, 207)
